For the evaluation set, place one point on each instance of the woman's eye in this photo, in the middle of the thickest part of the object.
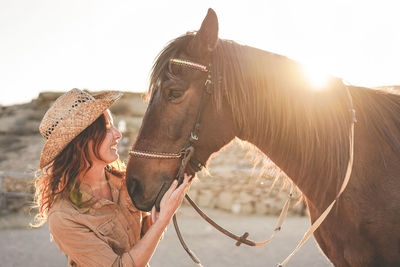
(175, 94)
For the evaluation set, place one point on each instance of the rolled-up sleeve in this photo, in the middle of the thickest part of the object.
(82, 245)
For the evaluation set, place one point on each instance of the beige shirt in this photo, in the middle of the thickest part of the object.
(101, 234)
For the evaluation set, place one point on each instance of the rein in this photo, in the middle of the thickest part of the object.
(186, 156)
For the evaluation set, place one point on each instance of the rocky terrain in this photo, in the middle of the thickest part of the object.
(238, 180)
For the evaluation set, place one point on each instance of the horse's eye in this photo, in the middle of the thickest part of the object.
(174, 94)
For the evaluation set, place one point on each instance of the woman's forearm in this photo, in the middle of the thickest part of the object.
(172, 199)
(144, 249)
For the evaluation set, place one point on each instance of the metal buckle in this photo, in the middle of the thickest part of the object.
(194, 136)
(207, 85)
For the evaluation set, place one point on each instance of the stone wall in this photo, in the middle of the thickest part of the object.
(16, 191)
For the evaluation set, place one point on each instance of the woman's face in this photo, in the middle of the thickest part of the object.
(108, 148)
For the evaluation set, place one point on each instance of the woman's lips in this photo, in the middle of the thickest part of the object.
(114, 146)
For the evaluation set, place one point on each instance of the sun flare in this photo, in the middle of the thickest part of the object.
(316, 76)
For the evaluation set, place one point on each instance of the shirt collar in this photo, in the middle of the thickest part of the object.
(87, 197)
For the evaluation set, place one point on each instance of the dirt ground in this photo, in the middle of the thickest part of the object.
(21, 246)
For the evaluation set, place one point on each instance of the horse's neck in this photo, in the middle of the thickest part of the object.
(304, 152)
(305, 132)
(309, 182)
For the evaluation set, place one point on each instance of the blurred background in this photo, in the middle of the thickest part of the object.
(49, 47)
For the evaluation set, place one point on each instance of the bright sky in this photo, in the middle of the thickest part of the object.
(110, 44)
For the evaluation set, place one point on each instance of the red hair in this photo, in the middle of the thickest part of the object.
(60, 177)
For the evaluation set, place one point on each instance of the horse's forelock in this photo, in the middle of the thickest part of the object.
(160, 66)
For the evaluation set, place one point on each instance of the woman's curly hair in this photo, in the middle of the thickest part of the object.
(59, 178)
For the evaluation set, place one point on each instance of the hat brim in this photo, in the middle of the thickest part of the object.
(80, 117)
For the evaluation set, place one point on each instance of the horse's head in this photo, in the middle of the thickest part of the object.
(182, 113)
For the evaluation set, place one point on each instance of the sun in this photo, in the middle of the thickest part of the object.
(316, 76)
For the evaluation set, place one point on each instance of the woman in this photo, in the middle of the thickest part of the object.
(81, 190)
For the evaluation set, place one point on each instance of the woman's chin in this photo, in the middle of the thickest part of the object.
(110, 160)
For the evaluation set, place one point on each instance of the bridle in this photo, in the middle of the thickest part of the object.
(186, 156)
(186, 153)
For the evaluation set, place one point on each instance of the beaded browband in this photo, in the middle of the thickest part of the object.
(187, 63)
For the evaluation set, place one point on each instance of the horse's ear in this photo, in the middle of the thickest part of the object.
(206, 39)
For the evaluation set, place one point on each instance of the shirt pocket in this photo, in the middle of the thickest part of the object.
(114, 234)
(106, 228)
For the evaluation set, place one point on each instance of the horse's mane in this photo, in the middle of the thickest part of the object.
(379, 110)
(274, 105)
(270, 97)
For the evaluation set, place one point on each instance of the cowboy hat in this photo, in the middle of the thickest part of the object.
(70, 114)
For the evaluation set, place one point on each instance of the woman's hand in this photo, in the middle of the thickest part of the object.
(171, 200)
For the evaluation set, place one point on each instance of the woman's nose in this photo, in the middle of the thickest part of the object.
(117, 134)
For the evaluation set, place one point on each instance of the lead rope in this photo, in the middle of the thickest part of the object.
(187, 154)
(240, 239)
(243, 239)
(187, 249)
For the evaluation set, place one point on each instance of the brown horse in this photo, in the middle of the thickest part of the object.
(263, 98)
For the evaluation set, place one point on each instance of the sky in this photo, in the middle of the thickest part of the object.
(54, 45)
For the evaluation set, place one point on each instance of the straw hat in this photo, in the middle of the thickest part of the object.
(70, 114)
